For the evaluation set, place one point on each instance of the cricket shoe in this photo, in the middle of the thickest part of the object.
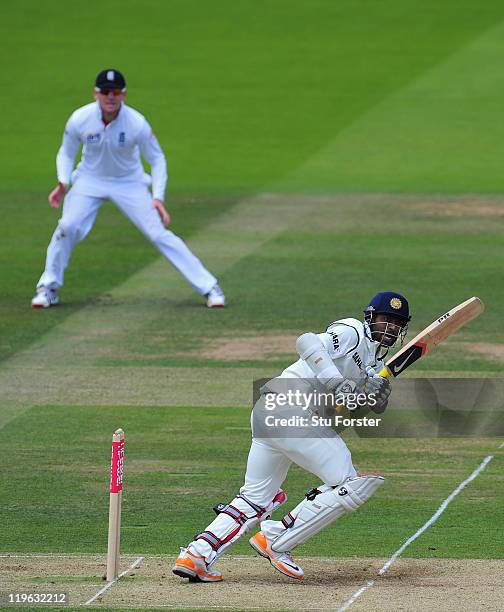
(193, 566)
(45, 297)
(215, 297)
(281, 561)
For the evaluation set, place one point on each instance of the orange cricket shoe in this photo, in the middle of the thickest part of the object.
(281, 561)
(194, 567)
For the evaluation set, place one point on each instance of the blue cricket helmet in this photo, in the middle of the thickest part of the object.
(391, 303)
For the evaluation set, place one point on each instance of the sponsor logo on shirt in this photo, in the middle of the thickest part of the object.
(335, 341)
(358, 360)
(93, 138)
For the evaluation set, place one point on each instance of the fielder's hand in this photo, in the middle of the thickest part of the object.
(56, 195)
(163, 213)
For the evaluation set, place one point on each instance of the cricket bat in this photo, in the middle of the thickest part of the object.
(433, 335)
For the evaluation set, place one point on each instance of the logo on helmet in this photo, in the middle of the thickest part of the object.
(396, 303)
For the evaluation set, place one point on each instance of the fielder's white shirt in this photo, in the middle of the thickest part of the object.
(349, 348)
(111, 151)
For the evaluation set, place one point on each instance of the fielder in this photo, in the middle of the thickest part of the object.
(344, 358)
(113, 137)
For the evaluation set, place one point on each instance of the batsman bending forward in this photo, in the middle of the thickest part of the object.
(346, 358)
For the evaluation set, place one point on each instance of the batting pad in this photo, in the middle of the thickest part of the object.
(317, 513)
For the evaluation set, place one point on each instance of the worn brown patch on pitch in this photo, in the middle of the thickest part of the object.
(78, 575)
(471, 207)
(450, 585)
(261, 348)
(252, 584)
(487, 349)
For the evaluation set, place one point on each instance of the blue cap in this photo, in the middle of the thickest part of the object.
(110, 78)
(391, 303)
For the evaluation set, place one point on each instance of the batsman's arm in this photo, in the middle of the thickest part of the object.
(311, 349)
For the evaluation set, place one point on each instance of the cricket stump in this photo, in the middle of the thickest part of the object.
(116, 485)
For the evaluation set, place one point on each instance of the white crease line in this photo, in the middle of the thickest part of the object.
(501, 445)
(357, 594)
(76, 555)
(135, 564)
(416, 535)
(194, 607)
(99, 555)
(51, 556)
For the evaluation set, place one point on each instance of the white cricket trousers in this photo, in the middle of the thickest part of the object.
(80, 208)
(268, 463)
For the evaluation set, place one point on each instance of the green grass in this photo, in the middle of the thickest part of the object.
(350, 101)
(254, 96)
(267, 291)
(269, 295)
(182, 461)
(316, 96)
(113, 251)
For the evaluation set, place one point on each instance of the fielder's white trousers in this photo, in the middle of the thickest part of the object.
(133, 198)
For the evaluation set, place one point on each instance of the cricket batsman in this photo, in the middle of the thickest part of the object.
(342, 360)
(113, 137)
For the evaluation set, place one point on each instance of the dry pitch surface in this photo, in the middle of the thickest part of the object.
(251, 584)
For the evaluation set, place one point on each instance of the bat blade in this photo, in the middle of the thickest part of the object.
(433, 335)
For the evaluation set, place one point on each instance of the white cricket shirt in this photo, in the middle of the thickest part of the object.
(111, 151)
(349, 348)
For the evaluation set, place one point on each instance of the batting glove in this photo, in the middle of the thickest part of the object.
(379, 388)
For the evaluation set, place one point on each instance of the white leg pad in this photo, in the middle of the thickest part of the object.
(322, 510)
(234, 520)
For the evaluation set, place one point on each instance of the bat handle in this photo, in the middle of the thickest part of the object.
(385, 372)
